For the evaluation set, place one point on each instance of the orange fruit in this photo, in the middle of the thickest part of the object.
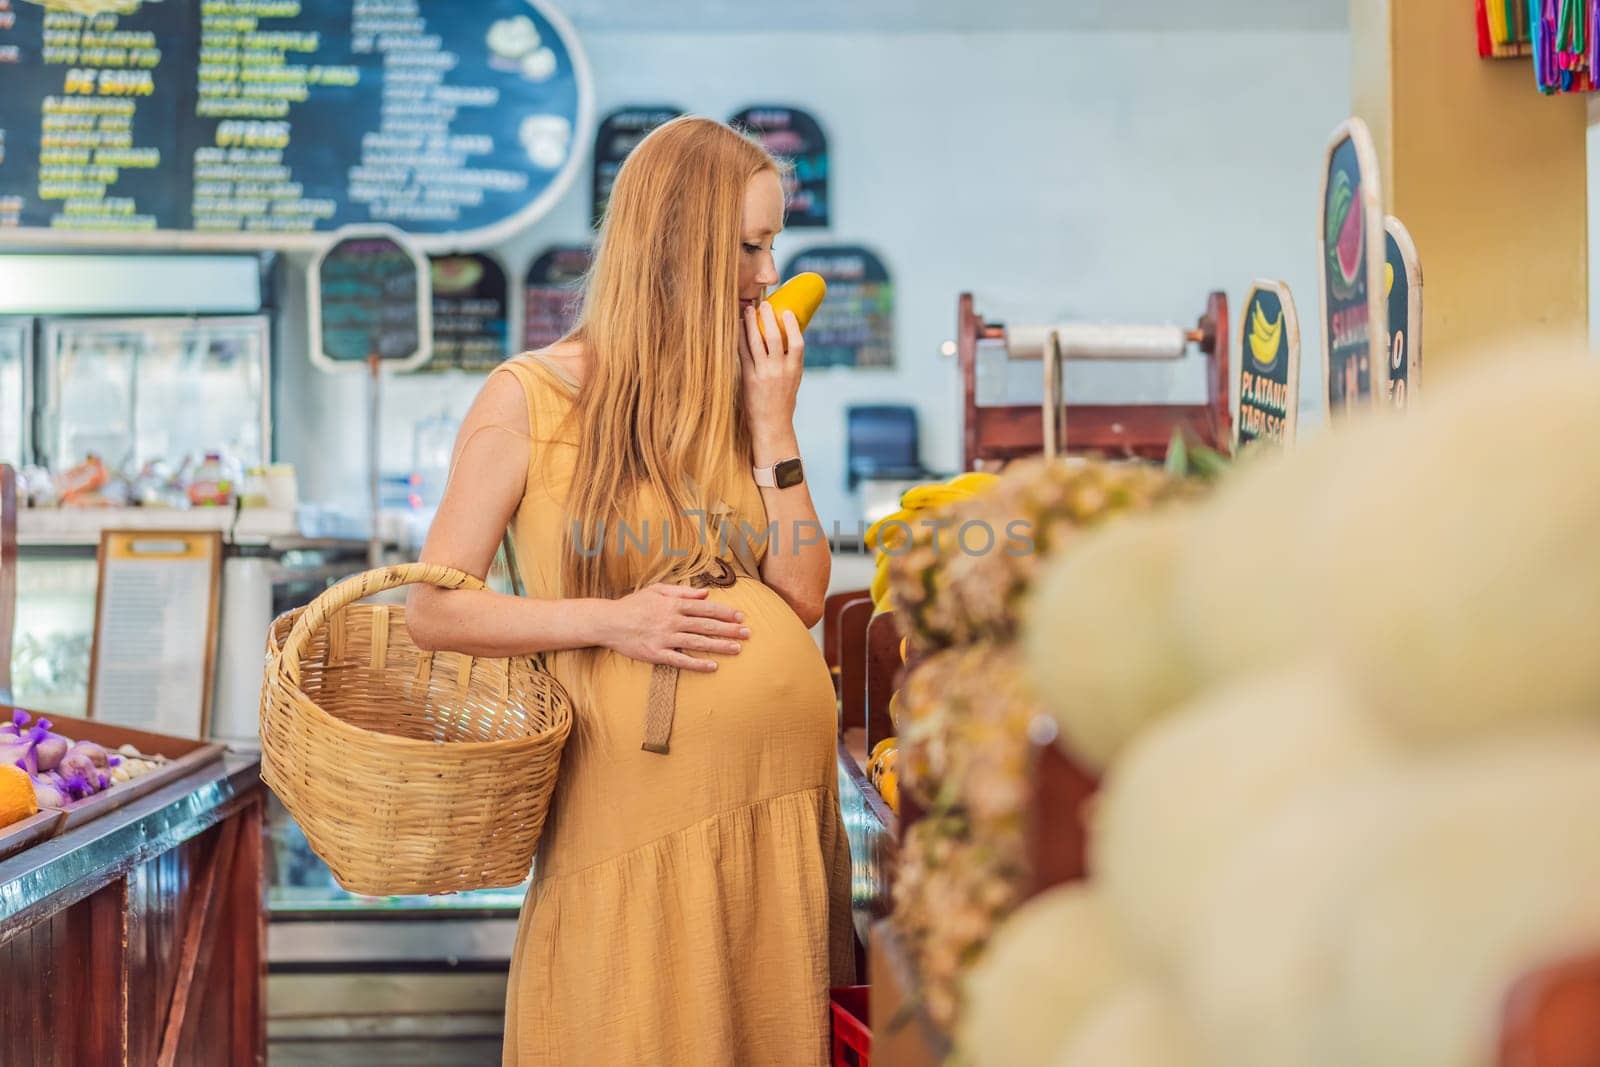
(16, 795)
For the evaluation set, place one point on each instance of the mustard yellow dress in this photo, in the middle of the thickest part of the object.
(691, 907)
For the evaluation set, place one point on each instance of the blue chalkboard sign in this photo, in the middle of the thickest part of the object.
(370, 297)
(1350, 242)
(1403, 278)
(619, 132)
(180, 122)
(795, 137)
(471, 312)
(854, 327)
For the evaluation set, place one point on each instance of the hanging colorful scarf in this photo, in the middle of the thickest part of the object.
(1564, 47)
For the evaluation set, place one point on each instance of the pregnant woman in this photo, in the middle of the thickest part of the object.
(691, 901)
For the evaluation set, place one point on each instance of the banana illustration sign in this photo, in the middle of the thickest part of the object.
(1350, 244)
(1402, 277)
(1269, 366)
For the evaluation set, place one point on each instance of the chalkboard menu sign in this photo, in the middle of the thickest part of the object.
(793, 135)
(271, 123)
(1350, 242)
(1402, 275)
(551, 294)
(369, 295)
(854, 327)
(1269, 365)
(619, 132)
(470, 306)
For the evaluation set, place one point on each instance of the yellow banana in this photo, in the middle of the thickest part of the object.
(875, 531)
(880, 582)
(974, 481)
(922, 497)
(889, 789)
(1264, 337)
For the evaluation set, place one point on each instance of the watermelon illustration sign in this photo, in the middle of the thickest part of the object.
(1350, 243)
(1269, 365)
(1402, 279)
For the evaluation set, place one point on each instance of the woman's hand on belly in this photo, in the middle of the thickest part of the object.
(669, 624)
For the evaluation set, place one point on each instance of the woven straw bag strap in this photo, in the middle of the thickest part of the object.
(662, 700)
(359, 587)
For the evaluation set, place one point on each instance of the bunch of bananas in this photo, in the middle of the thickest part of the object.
(882, 765)
(893, 534)
(1265, 336)
(883, 774)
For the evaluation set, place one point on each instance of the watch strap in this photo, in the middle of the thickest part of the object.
(767, 477)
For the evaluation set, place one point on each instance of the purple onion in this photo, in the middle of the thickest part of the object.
(76, 765)
(47, 791)
(49, 747)
(19, 751)
(96, 754)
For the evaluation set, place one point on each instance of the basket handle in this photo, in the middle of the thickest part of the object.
(359, 587)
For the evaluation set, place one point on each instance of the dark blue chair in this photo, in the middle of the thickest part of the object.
(881, 442)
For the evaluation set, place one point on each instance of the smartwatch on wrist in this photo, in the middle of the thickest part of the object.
(781, 475)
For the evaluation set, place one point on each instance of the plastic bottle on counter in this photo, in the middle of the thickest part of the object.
(283, 490)
(253, 490)
(214, 483)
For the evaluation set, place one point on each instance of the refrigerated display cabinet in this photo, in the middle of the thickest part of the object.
(16, 390)
(137, 390)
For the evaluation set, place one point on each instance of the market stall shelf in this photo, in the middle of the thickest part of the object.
(997, 432)
(139, 937)
(901, 1033)
(182, 758)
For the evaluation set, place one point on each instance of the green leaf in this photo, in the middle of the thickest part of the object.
(1208, 463)
(1178, 455)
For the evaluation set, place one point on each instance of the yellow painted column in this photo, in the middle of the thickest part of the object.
(1489, 175)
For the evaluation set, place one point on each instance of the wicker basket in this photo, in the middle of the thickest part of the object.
(408, 771)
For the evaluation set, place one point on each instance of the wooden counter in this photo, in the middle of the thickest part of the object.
(139, 938)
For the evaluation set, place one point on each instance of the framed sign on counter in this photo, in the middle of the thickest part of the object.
(796, 137)
(619, 132)
(195, 124)
(1350, 244)
(369, 296)
(471, 310)
(1269, 366)
(1402, 276)
(155, 630)
(854, 327)
(551, 294)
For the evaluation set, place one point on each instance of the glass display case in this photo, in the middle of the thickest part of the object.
(16, 390)
(54, 628)
(137, 390)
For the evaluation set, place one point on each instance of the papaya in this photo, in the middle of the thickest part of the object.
(802, 295)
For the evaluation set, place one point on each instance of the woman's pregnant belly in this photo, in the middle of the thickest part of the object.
(775, 693)
(762, 725)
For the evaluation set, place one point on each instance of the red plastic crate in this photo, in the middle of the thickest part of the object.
(852, 1038)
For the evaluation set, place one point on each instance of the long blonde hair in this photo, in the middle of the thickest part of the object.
(660, 425)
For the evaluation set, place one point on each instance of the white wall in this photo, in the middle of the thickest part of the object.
(1065, 174)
